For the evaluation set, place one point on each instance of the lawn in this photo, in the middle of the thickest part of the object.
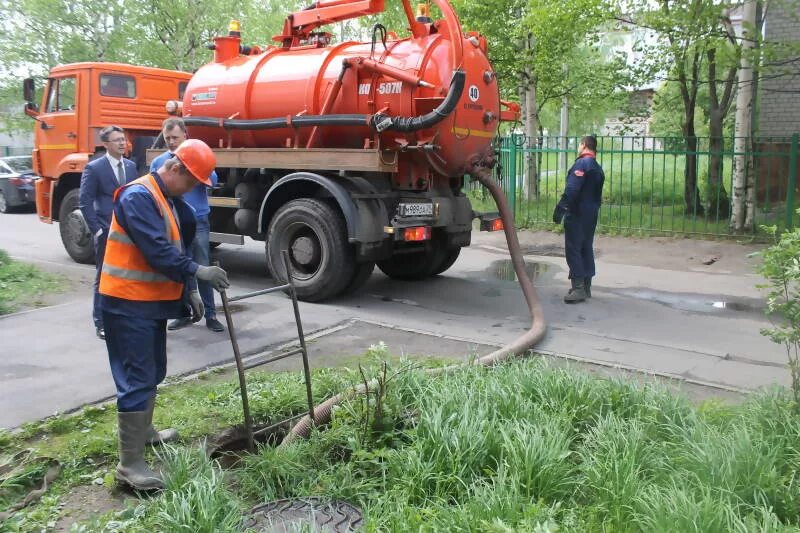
(522, 446)
(22, 284)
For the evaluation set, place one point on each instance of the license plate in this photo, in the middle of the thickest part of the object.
(415, 210)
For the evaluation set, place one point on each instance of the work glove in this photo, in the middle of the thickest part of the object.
(198, 309)
(217, 277)
(558, 214)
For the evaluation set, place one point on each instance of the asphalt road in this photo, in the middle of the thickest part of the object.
(701, 326)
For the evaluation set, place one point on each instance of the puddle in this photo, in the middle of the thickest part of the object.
(694, 304)
(734, 306)
(503, 270)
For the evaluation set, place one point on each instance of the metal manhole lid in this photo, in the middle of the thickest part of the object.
(300, 514)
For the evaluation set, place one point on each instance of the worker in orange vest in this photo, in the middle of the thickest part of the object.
(145, 269)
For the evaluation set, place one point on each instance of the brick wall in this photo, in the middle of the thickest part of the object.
(779, 98)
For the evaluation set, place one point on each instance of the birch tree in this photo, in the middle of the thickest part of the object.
(743, 211)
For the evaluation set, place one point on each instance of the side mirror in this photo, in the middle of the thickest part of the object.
(29, 90)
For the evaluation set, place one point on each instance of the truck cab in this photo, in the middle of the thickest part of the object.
(79, 100)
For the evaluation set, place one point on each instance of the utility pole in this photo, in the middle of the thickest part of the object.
(743, 212)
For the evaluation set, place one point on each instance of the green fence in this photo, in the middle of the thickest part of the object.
(14, 150)
(645, 182)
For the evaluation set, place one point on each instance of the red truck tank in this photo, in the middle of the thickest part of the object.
(399, 77)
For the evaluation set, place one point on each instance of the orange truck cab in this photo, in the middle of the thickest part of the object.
(79, 100)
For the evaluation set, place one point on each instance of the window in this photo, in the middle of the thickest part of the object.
(61, 95)
(182, 89)
(117, 86)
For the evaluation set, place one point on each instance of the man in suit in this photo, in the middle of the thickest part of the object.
(101, 177)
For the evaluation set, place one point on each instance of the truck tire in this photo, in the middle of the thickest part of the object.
(448, 260)
(75, 233)
(363, 271)
(313, 232)
(414, 266)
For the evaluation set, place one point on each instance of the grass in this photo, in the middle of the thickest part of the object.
(520, 447)
(22, 284)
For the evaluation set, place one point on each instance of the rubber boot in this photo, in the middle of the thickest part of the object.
(132, 468)
(587, 287)
(154, 437)
(577, 293)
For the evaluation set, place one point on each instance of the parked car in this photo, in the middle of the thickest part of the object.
(16, 182)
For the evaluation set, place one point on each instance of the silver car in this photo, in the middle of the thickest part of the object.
(16, 182)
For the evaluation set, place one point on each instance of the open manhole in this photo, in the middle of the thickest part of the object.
(304, 514)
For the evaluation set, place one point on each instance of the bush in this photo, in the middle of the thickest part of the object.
(781, 268)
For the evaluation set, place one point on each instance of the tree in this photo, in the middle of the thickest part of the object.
(718, 107)
(742, 167)
(544, 50)
(685, 28)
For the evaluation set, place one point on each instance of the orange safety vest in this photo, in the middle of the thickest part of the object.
(126, 273)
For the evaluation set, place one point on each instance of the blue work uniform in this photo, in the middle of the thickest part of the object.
(136, 331)
(580, 204)
(199, 249)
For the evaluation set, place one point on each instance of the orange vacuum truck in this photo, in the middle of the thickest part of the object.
(347, 155)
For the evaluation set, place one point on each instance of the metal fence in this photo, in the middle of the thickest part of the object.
(14, 150)
(644, 189)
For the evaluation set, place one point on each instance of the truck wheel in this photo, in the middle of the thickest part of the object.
(449, 260)
(414, 266)
(362, 273)
(75, 233)
(321, 259)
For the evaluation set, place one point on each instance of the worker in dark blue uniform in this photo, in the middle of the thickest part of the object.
(578, 208)
(142, 285)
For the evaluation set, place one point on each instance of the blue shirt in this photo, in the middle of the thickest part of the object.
(138, 214)
(197, 197)
(584, 191)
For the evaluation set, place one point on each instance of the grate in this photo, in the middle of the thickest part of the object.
(304, 514)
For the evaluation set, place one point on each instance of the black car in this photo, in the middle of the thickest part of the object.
(16, 182)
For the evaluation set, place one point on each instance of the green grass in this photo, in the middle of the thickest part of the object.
(519, 447)
(22, 284)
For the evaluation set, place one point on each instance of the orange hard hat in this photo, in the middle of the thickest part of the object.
(198, 159)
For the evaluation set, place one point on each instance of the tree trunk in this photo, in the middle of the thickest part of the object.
(564, 133)
(531, 129)
(743, 180)
(532, 136)
(718, 203)
(691, 196)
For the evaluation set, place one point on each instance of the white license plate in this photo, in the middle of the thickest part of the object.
(415, 210)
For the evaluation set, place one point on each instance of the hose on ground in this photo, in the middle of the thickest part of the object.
(481, 169)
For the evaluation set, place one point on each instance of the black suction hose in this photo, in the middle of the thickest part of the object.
(408, 124)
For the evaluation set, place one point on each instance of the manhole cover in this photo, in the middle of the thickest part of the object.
(304, 514)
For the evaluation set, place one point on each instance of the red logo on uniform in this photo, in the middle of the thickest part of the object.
(579, 173)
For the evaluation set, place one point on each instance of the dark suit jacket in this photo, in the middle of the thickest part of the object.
(98, 183)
